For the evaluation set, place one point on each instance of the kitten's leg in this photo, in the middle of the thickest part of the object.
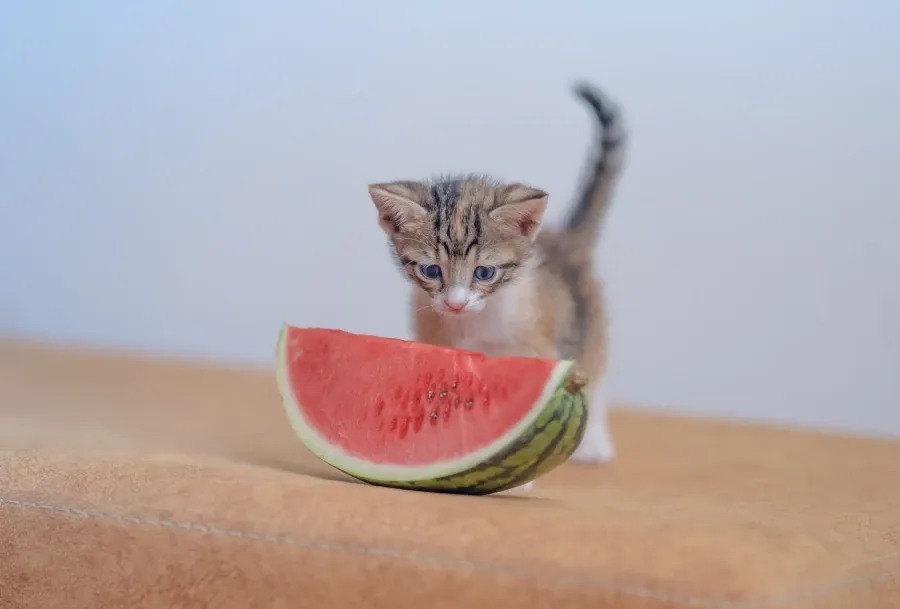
(597, 445)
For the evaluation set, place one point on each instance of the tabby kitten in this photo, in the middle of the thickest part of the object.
(490, 279)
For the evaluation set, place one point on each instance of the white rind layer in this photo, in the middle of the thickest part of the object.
(337, 457)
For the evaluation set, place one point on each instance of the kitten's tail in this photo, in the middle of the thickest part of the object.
(585, 220)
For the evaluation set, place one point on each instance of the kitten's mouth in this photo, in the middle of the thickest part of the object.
(452, 312)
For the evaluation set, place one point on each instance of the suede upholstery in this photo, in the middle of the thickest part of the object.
(135, 482)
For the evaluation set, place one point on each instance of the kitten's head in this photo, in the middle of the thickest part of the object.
(460, 239)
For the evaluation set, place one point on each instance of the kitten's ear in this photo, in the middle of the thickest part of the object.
(397, 204)
(521, 208)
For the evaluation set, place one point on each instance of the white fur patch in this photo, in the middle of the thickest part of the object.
(497, 323)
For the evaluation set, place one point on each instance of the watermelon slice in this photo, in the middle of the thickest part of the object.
(406, 414)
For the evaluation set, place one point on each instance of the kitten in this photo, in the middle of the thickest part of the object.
(489, 279)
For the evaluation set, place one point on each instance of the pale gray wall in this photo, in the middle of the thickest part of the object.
(183, 176)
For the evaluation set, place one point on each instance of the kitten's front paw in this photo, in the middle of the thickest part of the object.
(596, 446)
(525, 487)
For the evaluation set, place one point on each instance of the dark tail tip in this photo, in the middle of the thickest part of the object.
(603, 109)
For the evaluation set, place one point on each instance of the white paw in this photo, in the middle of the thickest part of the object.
(597, 445)
(525, 487)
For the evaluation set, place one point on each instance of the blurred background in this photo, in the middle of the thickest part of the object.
(181, 177)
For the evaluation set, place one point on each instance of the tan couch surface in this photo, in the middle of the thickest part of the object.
(133, 482)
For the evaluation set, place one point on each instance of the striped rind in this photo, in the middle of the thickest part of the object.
(544, 446)
(545, 438)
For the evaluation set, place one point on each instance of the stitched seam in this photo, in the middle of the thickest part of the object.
(693, 602)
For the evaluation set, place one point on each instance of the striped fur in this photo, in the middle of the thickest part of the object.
(543, 297)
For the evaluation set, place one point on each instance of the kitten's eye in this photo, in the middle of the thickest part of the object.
(431, 272)
(485, 273)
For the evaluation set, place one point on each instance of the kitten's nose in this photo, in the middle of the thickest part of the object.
(456, 298)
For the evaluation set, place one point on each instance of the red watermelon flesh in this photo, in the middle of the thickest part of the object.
(384, 401)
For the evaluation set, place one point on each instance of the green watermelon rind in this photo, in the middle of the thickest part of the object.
(362, 469)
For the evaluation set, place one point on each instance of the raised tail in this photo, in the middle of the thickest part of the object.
(582, 226)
